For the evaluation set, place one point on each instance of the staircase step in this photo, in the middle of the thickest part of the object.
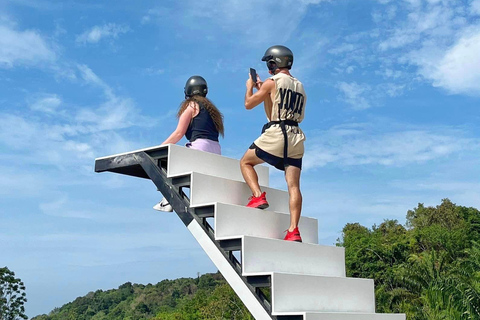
(234, 221)
(237, 283)
(353, 316)
(303, 293)
(207, 189)
(182, 160)
(261, 256)
(343, 316)
(307, 281)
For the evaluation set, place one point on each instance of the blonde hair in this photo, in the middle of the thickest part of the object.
(216, 115)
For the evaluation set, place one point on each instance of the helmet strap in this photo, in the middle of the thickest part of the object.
(272, 69)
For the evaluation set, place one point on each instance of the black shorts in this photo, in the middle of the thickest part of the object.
(275, 161)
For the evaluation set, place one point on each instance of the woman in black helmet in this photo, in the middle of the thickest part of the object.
(199, 121)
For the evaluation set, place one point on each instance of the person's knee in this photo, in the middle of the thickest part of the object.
(292, 182)
(248, 159)
(294, 191)
(244, 161)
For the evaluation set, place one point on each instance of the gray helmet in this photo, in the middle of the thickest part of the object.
(278, 57)
(195, 85)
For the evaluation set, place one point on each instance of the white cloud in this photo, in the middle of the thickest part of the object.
(349, 145)
(459, 69)
(354, 94)
(48, 103)
(115, 113)
(23, 48)
(243, 18)
(63, 207)
(156, 13)
(20, 183)
(74, 137)
(391, 89)
(97, 33)
(16, 132)
(91, 78)
(342, 48)
(154, 71)
(434, 22)
(438, 38)
(475, 7)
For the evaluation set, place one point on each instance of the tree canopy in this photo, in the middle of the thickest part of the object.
(206, 297)
(428, 269)
(12, 296)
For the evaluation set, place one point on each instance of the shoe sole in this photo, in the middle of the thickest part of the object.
(162, 209)
(263, 206)
(260, 206)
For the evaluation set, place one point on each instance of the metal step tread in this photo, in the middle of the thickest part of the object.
(341, 316)
(207, 189)
(297, 293)
(262, 256)
(235, 221)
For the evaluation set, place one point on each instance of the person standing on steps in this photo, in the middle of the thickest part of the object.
(281, 143)
(199, 121)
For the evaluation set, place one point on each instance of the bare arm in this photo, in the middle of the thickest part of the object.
(182, 125)
(252, 100)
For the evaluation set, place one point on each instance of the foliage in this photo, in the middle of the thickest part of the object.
(207, 297)
(12, 296)
(429, 269)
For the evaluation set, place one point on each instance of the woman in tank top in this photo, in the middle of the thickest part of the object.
(199, 121)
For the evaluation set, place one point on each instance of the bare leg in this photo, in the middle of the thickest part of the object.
(292, 176)
(248, 161)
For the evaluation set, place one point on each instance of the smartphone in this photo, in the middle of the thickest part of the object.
(253, 74)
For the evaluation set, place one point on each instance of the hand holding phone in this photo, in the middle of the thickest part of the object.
(253, 74)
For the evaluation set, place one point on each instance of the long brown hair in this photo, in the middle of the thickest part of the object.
(216, 115)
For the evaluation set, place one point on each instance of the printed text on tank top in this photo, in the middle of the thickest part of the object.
(292, 101)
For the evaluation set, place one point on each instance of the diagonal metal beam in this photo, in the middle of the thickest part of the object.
(171, 190)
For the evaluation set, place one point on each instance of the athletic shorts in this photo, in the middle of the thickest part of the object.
(275, 161)
(206, 145)
(270, 146)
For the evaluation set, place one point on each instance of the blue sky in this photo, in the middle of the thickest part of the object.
(391, 120)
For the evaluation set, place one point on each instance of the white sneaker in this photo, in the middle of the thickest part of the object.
(163, 206)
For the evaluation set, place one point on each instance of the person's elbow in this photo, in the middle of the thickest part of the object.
(179, 135)
(249, 105)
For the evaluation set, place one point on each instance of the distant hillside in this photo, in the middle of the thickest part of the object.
(427, 269)
(207, 297)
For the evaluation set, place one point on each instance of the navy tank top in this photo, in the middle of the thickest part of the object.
(202, 127)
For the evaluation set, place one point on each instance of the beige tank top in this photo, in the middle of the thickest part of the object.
(290, 99)
(289, 104)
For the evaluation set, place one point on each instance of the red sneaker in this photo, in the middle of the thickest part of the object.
(293, 236)
(258, 202)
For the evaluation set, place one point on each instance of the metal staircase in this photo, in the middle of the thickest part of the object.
(275, 279)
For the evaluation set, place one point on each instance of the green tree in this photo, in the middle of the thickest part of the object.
(12, 296)
(428, 279)
(465, 288)
(428, 269)
(223, 303)
(441, 228)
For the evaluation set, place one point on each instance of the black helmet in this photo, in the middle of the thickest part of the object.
(195, 85)
(278, 57)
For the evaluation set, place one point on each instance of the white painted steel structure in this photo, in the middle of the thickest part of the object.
(264, 256)
(307, 281)
(352, 316)
(207, 189)
(184, 160)
(234, 221)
